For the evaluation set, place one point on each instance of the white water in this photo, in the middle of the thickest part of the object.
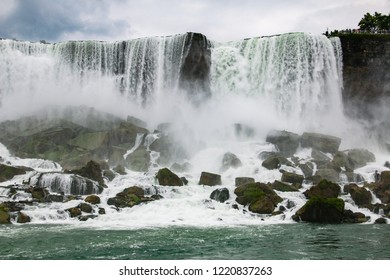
(290, 82)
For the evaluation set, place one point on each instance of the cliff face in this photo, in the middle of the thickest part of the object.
(366, 71)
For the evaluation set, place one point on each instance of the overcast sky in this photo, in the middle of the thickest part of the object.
(220, 20)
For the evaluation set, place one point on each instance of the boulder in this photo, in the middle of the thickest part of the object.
(286, 142)
(181, 167)
(381, 221)
(220, 195)
(38, 193)
(7, 172)
(5, 217)
(341, 160)
(274, 162)
(360, 157)
(109, 175)
(230, 160)
(74, 212)
(324, 143)
(260, 197)
(23, 218)
(166, 177)
(354, 217)
(307, 169)
(92, 199)
(120, 170)
(322, 210)
(319, 157)
(85, 207)
(324, 189)
(87, 217)
(283, 187)
(139, 160)
(382, 188)
(360, 195)
(265, 154)
(169, 148)
(328, 174)
(129, 197)
(210, 179)
(243, 180)
(292, 178)
(91, 171)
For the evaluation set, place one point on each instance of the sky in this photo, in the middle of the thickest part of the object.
(219, 20)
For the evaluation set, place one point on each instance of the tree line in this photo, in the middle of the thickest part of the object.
(375, 22)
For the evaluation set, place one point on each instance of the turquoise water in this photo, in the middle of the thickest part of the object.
(288, 241)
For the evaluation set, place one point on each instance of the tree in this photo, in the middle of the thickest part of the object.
(375, 22)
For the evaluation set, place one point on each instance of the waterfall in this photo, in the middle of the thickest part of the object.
(299, 74)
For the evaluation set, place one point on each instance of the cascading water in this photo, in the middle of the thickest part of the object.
(291, 81)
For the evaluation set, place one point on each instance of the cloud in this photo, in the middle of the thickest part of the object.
(56, 20)
(220, 20)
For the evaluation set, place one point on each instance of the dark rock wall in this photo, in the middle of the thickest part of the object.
(195, 70)
(366, 74)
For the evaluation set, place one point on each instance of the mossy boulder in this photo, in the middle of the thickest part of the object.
(360, 195)
(324, 143)
(92, 199)
(322, 210)
(129, 197)
(139, 160)
(74, 212)
(230, 160)
(210, 179)
(7, 172)
(5, 217)
(243, 180)
(283, 187)
(220, 195)
(324, 189)
(260, 197)
(85, 207)
(292, 178)
(286, 142)
(166, 177)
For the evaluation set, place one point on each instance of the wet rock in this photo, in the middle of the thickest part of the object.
(74, 212)
(324, 189)
(210, 179)
(307, 169)
(87, 217)
(230, 160)
(5, 217)
(275, 162)
(381, 221)
(382, 188)
(7, 172)
(387, 164)
(286, 142)
(129, 197)
(360, 195)
(23, 218)
(292, 178)
(85, 207)
(92, 199)
(319, 157)
(328, 174)
(169, 148)
(354, 177)
(283, 187)
(243, 180)
(220, 195)
(38, 193)
(184, 180)
(354, 217)
(260, 197)
(166, 177)
(324, 143)
(55, 198)
(360, 157)
(181, 167)
(120, 170)
(102, 211)
(109, 175)
(322, 210)
(341, 160)
(139, 160)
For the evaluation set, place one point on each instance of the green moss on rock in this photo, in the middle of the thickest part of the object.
(166, 177)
